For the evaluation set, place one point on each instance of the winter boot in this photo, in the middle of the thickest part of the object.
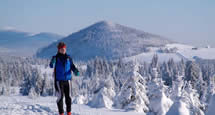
(69, 113)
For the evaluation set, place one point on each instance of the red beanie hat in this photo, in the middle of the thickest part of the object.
(61, 45)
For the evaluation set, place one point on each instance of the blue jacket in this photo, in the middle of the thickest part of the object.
(63, 65)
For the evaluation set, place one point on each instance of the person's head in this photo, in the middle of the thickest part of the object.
(61, 48)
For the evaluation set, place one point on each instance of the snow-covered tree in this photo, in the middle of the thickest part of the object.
(192, 73)
(133, 94)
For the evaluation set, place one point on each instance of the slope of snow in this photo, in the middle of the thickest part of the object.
(188, 52)
(184, 52)
(23, 105)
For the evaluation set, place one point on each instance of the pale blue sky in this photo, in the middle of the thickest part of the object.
(188, 21)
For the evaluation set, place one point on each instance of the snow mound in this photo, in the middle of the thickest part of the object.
(161, 104)
(103, 98)
(178, 108)
(79, 100)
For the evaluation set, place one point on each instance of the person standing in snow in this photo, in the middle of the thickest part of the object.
(63, 67)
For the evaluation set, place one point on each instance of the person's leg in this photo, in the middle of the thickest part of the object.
(60, 94)
(67, 91)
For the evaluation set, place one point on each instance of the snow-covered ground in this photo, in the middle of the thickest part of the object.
(185, 52)
(188, 51)
(156, 103)
(24, 105)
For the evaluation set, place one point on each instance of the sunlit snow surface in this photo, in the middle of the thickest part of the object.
(24, 105)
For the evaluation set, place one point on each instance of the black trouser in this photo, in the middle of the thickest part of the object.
(63, 88)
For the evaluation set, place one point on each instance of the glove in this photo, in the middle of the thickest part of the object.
(77, 73)
(54, 61)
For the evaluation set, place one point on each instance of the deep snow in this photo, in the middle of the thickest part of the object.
(24, 105)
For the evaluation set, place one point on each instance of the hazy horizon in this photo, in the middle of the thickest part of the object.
(190, 22)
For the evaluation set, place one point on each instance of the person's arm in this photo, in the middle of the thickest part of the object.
(52, 62)
(73, 68)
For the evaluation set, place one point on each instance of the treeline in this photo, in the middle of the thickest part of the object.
(18, 71)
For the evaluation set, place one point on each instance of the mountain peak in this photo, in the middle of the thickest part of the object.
(104, 24)
(106, 39)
